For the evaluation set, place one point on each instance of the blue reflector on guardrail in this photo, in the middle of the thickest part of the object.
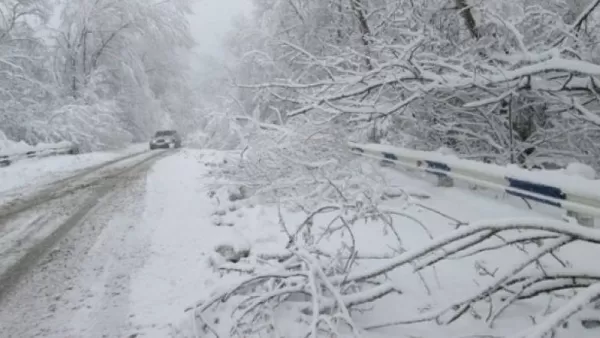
(437, 166)
(389, 156)
(536, 188)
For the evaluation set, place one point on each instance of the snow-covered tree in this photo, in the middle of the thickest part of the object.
(96, 72)
(23, 86)
(505, 81)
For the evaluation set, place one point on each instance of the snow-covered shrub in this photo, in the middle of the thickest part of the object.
(323, 291)
(217, 131)
(305, 283)
(294, 162)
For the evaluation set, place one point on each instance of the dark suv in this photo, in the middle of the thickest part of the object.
(165, 139)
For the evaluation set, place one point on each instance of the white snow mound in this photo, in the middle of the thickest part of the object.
(580, 170)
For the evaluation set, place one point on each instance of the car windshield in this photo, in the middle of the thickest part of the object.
(165, 133)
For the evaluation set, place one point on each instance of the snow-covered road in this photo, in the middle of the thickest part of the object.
(130, 267)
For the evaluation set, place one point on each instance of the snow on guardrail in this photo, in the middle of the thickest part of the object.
(567, 190)
(11, 152)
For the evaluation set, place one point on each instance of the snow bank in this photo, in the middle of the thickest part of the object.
(11, 148)
(179, 266)
(580, 170)
(8, 147)
(34, 172)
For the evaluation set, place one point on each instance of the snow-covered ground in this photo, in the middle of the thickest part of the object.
(32, 172)
(434, 212)
(147, 253)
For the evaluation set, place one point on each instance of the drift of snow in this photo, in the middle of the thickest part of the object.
(8, 147)
(179, 266)
(580, 170)
(35, 172)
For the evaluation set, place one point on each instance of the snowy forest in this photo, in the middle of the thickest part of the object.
(502, 82)
(508, 81)
(97, 73)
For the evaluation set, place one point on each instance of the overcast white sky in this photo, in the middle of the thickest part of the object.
(212, 20)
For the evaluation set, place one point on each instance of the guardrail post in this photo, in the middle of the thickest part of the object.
(445, 181)
(586, 172)
(438, 169)
(584, 220)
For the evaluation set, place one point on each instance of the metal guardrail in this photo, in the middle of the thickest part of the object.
(62, 148)
(579, 196)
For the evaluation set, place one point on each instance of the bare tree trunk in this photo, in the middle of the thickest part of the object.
(341, 20)
(363, 25)
(469, 19)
